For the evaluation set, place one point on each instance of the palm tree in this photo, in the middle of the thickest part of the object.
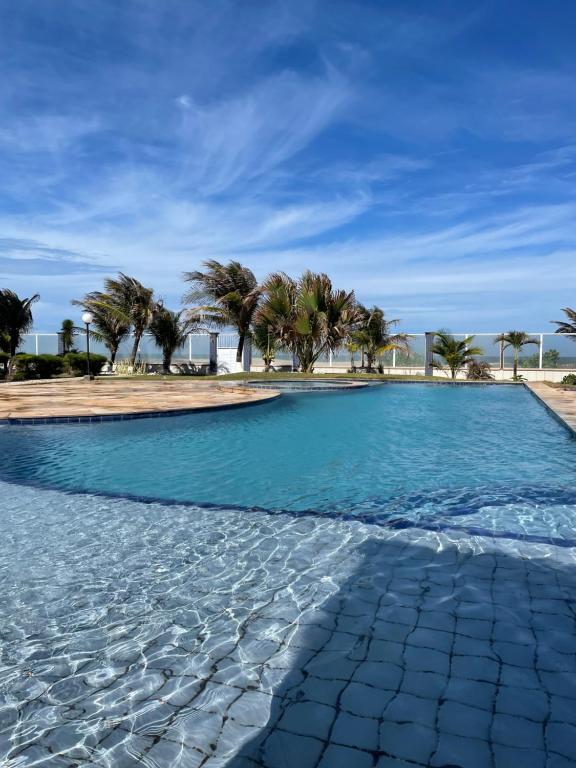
(352, 348)
(67, 333)
(266, 341)
(232, 292)
(568, 325)
(374, 337)
(457, 354)
(170, 331)
(307, 316)
(15, 320)
(131, 303)
(516, 340)
(108, 327)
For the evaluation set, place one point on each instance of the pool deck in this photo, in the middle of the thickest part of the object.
(561, 402)
(103, 400)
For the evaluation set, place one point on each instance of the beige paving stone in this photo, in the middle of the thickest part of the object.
(77, 397)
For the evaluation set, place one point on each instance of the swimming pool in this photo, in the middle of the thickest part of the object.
(375, 578)
(396, 452)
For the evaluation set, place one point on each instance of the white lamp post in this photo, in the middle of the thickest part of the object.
(87, 318)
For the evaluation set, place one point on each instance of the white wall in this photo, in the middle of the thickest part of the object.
(530, 374)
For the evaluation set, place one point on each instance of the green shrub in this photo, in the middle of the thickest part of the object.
(36, 366)
(75, 362)
(570, 378)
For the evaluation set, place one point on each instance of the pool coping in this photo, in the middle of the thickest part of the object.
(571, 428)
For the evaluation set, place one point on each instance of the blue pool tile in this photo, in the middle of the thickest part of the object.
(337, 756)
(562, 739)
(308, 719)
(461, 751)
(512, 731)
(461, 720)
(408, 741)
(285, 749)
(365, 700)
(407, 707)
(354, 731)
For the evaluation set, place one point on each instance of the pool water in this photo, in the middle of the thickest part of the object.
(390, 453)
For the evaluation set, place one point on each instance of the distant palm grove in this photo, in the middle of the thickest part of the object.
(305, 316)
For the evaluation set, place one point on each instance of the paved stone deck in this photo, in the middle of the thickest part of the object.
(102, 397)
(561, 401)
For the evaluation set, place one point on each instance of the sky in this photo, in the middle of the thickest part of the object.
(421, 153)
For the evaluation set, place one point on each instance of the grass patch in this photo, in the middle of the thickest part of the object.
(272, 376)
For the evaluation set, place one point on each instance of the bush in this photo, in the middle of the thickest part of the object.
(36, 367)
(75, 362)
(570, 379)
(479, 370)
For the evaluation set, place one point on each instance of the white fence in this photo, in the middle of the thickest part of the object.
(553, 352)
(195, 350)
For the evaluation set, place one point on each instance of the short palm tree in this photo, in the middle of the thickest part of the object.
(266, 341)
(230, 294)
(67, 333)
(15, 320)
(170, 331)
(108, 327)
(352, 348)
(456, 353)
(516, 340)
(308, 317)
(568, 325)
(374, 335)
(479, 370)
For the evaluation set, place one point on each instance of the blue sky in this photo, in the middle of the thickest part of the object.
(421, 153)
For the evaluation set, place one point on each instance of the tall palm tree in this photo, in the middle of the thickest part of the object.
(67, 333)
(456, 353)
(516, 340)
(374, 335)
(231, 294)
(15, 320)
(132, 303)
(568, 325)
(108, 327)
(170, 331)
(307, 316)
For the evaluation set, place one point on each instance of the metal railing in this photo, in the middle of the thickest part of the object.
(196, 349)
(553, 351)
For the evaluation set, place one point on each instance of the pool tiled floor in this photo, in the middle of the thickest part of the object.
(324, 643)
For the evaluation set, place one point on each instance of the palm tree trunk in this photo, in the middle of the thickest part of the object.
(240, 347)
(515, 363)
(137, 337)
(166, 361)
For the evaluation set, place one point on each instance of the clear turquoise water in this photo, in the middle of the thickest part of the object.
(384, 452)
(167, 635)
